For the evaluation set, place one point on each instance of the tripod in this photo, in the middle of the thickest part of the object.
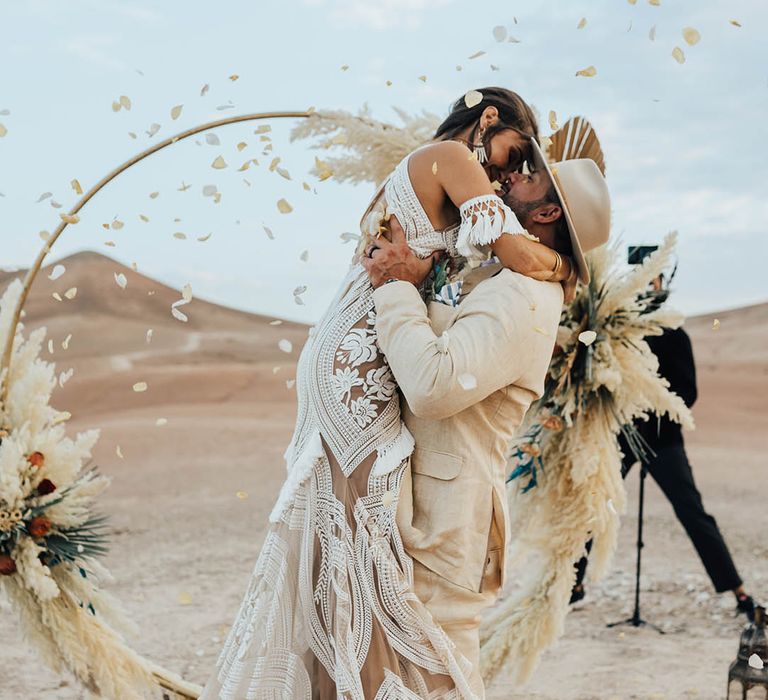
(636, 620)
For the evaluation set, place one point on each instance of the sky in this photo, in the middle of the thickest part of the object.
(685, 143)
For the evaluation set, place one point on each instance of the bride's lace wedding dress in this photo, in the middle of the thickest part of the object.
(330, 610)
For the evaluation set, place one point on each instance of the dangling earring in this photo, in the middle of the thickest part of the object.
(479, 151)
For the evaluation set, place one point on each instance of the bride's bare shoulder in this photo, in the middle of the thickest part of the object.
(439, 159)
(450, 151)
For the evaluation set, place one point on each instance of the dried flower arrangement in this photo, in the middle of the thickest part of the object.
(565, 483)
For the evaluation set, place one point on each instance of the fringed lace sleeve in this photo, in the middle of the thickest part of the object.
(483, 220)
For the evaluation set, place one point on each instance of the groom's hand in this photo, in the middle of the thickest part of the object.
(393, 259)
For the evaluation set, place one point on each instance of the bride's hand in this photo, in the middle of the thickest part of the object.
(389, 257)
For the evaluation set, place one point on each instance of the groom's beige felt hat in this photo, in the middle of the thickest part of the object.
(586, 203)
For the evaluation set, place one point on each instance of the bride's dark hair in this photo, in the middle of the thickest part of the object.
(514, 113)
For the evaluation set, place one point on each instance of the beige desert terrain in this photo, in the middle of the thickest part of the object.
(184, 543)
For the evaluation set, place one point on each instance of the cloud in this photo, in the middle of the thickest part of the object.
(95, 48)
(379, 14)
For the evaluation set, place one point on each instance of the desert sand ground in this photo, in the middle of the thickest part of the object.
(181, 534)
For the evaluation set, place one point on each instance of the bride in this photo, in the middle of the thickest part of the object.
(330, 610)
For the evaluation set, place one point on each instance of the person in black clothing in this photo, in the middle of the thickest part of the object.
(670, 468)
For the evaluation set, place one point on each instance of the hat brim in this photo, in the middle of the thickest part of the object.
(540, 162)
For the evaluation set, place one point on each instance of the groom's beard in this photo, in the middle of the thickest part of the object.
(521, 209)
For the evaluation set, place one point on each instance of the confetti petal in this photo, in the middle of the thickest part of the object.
(138, 387)
(118, 451)
(176, 111)
(652, 33)
(242, 495)
(473, 98)
(71, 293)
(178, 314)
(477, 54)
(219, 163)
(434, 168)
(76, 186)
(70, 218)
(58, 271)
(691, 36)
(149, 335)
(582, 23)
(269, 233)
(121, 280)
(3, 130)
(678, 55)
(735, 23)
(125, 102)
(423, 78)
(304, 256)
(553, 120)
(64, 377)
(716, 324)
(587, 337)
(184, 598)
(283, 207)
(285, 345)
(161, 421)
(65, 342)
(755, 661)
(499, 33)
(468, 381)
(588, 72)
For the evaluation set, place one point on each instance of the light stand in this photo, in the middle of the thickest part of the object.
(636, 620)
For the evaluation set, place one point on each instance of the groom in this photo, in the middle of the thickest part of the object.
(467, 374)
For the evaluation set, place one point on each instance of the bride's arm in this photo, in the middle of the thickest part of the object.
(486, 220)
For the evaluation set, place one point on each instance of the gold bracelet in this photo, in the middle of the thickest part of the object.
(558, 264)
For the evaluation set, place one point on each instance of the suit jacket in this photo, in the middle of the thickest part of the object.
(467, 375)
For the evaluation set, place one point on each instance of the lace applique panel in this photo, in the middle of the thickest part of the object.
(330, 610)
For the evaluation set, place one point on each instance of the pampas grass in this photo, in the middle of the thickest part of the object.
(55, 588)
(373, 148)
(592, 391)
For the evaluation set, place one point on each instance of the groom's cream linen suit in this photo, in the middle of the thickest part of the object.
(467, 374)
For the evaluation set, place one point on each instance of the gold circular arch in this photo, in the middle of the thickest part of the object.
(5, 361)
(166, 679)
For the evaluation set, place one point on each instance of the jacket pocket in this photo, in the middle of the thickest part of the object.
(441, 465)
(451, 512)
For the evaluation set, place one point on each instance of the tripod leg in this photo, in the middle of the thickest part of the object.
(636, 619)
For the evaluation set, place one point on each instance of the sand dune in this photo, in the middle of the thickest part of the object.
(220, 380)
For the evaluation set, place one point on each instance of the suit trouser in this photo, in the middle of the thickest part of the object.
(457, 609)
(672, 472)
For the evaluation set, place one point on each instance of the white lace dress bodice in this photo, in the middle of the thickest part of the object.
(330, 610)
